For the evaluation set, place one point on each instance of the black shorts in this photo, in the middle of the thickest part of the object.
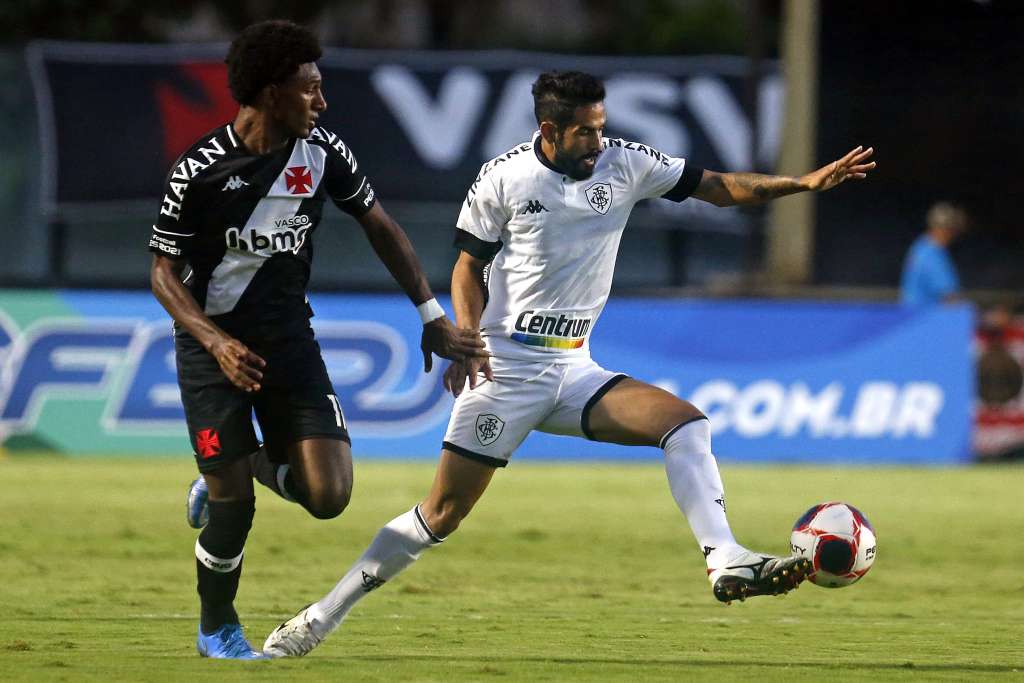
(296, 401)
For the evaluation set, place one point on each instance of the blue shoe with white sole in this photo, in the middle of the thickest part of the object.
(197, 509)
(227, 642)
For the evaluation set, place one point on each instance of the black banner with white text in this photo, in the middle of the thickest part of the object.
(114, 117)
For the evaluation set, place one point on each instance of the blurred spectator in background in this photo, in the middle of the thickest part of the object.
(929, 276)
(1000, 376)
(999, 414)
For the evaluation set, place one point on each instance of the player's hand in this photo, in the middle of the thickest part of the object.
(457, 373)
(448, 341)
(854, 165)
(238, 363)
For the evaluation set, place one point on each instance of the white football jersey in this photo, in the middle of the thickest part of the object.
(558, 240)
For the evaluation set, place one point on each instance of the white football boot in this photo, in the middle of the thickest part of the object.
(749, 574)
(294, 638)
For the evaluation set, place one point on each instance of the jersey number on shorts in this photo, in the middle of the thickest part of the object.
(339, 417)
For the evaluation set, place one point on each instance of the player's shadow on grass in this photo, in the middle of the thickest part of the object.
(838, 666)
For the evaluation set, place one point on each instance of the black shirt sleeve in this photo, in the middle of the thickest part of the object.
(174, 230)
(689, 179)
(348, 188)
(474, 246)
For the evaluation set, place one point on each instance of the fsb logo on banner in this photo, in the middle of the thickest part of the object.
(779, 382)
(63, 358)
(125, 367)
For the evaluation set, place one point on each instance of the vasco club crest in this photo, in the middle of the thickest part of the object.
(298, 179)
(600, 197)
(488, 428)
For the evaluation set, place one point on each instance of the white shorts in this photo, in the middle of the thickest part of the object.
(488, 423)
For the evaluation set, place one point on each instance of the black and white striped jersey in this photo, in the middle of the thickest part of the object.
(244, 222)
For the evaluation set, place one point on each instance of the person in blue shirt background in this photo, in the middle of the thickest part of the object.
(929, 276)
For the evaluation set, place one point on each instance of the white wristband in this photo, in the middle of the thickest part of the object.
(430, 310)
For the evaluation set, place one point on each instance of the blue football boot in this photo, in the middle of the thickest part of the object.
(227, 642)
(197, 510)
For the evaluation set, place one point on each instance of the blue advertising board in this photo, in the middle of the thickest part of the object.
(93, 372)
(807, 381)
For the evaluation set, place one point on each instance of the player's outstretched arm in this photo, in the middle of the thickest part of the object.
(730, 189)
(393, 248)
(237, 362)
(468, 296)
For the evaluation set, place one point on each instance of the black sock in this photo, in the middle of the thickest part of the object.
(219, 561)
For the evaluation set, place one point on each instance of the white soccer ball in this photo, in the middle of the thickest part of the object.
(838, 540)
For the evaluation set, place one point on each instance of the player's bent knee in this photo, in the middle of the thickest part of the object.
(682, 412)
(328, 508)
(328, 502)
(685, 414)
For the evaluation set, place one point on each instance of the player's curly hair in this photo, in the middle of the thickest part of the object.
(556, 94)
(267, 53)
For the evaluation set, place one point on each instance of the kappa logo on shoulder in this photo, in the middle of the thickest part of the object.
(488, 428)
(234, 183)
(599, 195)
(534, 206)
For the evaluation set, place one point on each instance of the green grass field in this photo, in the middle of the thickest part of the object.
(564, 572)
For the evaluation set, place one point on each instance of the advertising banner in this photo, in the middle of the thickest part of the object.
(93, 372)
(115, 117)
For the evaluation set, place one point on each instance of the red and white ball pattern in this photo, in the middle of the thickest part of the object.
(838, 540)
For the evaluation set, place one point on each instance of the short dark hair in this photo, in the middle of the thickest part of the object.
(267, 53)
(556, 94)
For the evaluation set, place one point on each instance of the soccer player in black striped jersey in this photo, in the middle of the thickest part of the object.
(238, 214)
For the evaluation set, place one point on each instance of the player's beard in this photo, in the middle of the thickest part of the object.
(572, 165)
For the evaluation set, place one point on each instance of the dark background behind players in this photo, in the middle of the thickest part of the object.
(933, 86)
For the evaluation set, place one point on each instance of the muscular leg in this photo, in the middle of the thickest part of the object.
(635, 413)
(321, 470)
(232, 482)
(457, 486)
(221, 542)
(318, 474)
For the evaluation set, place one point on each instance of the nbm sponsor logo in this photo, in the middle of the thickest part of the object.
(276, 241)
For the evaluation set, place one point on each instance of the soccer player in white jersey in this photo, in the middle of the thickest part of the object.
(538, 234)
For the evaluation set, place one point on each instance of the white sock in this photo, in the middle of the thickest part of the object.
(270, 474)
(697, 487)
(281, 476)
(394, 548)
